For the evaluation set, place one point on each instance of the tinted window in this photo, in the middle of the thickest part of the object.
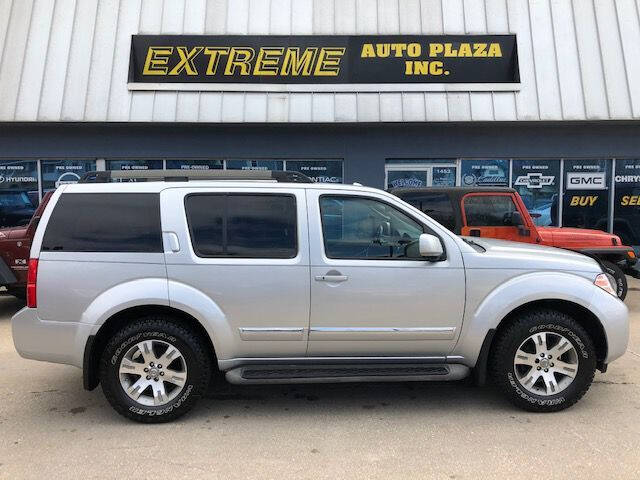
(243, 225)
(97, 222)
(364, 228)
(436, 205)
(489, 210)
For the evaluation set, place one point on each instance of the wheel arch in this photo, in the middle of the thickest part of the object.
(586, 318)
(96, 343)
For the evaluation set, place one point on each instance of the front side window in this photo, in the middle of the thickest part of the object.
(489, 210)
(243, 225)
(363, 228)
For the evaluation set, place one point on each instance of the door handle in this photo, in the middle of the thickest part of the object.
(331, 278)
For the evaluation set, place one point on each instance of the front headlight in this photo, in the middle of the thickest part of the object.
(603, 281)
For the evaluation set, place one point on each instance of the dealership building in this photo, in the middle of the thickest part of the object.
(539, 95)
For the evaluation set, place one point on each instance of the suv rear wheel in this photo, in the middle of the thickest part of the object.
(544, 361)
(154, 370)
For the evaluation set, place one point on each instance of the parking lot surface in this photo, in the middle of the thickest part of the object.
(51, 428)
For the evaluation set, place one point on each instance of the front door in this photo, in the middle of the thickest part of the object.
(371, 293)
(495, 215)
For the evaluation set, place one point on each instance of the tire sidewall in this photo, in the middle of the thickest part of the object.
(119, 346)
(586, 366)
(619, 277)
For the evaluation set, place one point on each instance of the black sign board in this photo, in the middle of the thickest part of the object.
(319, 59)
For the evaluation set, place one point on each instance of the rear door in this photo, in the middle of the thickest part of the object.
(494, 215)
(245, 250)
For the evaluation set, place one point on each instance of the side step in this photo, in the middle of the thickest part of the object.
(260, 374)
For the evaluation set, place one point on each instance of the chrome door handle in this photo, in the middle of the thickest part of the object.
(331, 278)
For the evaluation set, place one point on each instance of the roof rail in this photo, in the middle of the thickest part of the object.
(187, 175)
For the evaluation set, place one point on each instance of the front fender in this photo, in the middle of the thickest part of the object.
(486, 314)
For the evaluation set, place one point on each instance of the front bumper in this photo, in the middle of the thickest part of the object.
(57, 342)
(614, 317)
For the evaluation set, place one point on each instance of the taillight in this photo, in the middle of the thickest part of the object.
(32, 277)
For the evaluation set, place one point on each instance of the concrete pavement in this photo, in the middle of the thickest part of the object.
(51, 428)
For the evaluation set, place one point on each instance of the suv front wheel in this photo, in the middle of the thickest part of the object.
(543, 361)
(154, 370)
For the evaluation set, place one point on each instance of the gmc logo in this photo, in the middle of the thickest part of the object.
(587, 181)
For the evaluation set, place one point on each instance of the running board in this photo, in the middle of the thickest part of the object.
(260, 374)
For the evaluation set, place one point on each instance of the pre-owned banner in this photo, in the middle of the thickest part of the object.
(319, 59)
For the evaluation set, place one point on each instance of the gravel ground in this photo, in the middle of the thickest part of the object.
(51, 428)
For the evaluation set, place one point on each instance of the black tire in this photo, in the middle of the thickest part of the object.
(162, 329)
(503, 372)
(618, 275)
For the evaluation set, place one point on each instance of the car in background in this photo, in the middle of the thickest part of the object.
(498, 212)
(15, 243)
(16, 208)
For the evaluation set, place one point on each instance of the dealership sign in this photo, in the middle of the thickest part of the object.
(315, 62)
(587, 181)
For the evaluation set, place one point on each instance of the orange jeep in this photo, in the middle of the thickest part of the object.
(497, 212)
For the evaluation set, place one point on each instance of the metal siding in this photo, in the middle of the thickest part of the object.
(68, 60)
(33, 66)
(12, 59)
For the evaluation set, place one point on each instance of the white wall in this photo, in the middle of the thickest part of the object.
(67, 60)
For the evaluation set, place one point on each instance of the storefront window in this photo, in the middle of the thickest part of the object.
(443, 176)
(60, 172)
(255, 165)
(586, 193)
(134, 165)
(626, 218)
(195, 164)
(321, 171)
(18, 192)
(406, 178)
(485, 173)
(538, 183)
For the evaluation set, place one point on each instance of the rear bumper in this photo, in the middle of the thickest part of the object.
(57, 342)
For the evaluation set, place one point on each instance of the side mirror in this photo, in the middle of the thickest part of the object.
(430, 246)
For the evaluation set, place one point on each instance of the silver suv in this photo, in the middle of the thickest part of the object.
(153, 287)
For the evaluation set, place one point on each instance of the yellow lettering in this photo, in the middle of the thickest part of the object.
(465, 50)
(267, 61)
(214, 54)
(399, 48)
(367, 51)
(414, 50)
(479, 49)
(328, 64)
(495, 50)
(435, 68)
(239, 57)
(634, 200)
(449, 51)
(186, 61)
(156, 61)
(435, 49)
(575, 200)
(624, 201)
(296, 64)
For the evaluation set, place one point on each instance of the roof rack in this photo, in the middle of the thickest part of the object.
(187, 175)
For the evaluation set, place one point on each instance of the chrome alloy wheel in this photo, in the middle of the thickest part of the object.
(546, 363)
(153, 372)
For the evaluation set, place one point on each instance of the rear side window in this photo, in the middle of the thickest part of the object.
(489, 210)
(105, 222)
(243, 225)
